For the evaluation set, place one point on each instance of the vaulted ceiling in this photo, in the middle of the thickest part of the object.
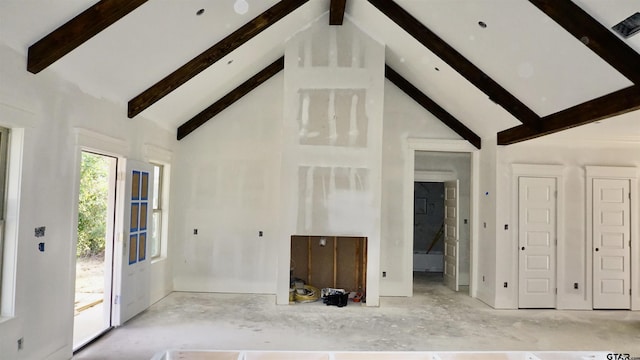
(515, 69)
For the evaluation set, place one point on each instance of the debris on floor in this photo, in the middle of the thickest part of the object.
(337, 297)
(303, 293)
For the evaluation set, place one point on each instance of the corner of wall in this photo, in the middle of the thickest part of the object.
(487, 241)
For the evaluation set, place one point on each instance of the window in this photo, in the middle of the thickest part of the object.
(156, 232)
(4, 140)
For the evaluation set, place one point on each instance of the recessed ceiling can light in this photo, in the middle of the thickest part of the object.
(482, 24)
(200, 12)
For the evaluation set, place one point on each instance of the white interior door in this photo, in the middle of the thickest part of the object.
(611, 247)
(451, 237)
(133, 260)
(537, 242)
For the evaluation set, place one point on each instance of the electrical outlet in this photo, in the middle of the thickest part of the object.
(506, 226)
(195, 231)
(260, 233)
(384, 274)
(505, 284)
(575, 286)
(20, 343)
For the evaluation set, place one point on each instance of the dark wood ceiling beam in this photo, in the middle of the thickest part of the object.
(594, 35)
(336, 12)
(616, 103)
(458, 62)
(76, 31)
(432, 107)
(212, 55)
(230, 98)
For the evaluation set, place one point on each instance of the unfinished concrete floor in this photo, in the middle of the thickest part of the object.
(435, 318)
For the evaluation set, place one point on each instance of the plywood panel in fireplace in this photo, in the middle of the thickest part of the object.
(340, 263)
(300, 257)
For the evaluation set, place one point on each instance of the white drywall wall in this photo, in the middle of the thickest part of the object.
(332, 142)
(403, 119)
(48, 110)
(226, 184)
(572, 266)
(486, 245)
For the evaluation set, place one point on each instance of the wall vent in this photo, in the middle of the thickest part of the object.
(628, 26)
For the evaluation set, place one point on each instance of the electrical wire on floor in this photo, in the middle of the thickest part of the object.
(306, 294)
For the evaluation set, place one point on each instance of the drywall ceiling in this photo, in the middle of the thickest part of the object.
(520, 48)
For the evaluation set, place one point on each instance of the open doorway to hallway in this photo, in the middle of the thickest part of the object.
(94, 251)
(441, 219)
(428, 227)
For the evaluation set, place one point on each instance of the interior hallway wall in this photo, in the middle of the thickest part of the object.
(47, 111)
(428, 216)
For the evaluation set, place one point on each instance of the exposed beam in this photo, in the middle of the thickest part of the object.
(594, 35)
(458, 62)
(432, 107)
(76, 31)
(336, 12)
(233, 96)
(616, 103)
(211, 55)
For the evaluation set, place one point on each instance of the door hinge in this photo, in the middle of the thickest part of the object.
(116, 300)
(556, 291)
(556, 242)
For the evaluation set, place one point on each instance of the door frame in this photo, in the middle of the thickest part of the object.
(620, 173)
(439, 145)
(540, 171)
(88, 140)
(110, 236)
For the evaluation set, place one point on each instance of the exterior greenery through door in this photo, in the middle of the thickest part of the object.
(92, 207)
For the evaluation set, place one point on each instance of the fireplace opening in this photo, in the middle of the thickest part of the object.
(328, 262)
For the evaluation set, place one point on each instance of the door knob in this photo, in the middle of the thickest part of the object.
(523, 248)
(597, 249)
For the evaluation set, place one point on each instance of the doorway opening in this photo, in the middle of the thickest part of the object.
(428, 234)
(428, 227)
(94, 250)
(441, 228)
